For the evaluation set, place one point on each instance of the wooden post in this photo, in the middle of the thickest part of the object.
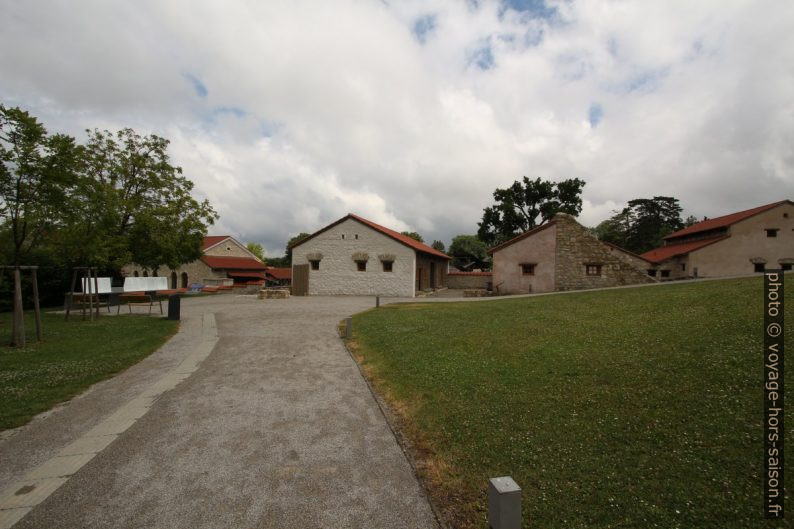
(36, 308)
(70, 294)
(96, 290)
(19, 316)
(90, 296)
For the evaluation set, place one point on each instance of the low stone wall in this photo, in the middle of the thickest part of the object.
(469, 280)
(274, 293)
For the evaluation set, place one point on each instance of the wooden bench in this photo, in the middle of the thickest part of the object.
(79, 300)
(139, 300)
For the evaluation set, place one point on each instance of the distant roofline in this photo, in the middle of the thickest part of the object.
(724, 221)
(402, 239)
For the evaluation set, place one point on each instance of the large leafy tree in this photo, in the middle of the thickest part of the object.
(526, 204)
(469, 252)
(642, 224)
(256, 249)
(135, 205)
(37, 173)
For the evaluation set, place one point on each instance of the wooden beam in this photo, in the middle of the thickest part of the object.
(18, 334)
(36, 308)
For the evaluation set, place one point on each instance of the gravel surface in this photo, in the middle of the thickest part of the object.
(276, 428)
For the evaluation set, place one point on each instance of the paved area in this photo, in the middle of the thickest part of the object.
(274, 428)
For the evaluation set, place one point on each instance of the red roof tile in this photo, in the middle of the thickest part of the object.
(672, 250)
(399, 237)
(724, 221)
(279, 273)
(233, 263)
(212, 240)
(249, 273)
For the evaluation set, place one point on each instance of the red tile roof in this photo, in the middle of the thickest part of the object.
(672, 250)
(233, 263)
(279, 273)
(212, 240)
(249, 273)
(399, 237)
(724, 221)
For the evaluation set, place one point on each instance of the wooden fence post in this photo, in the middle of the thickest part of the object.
(19, 316)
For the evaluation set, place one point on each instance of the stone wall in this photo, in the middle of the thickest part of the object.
(537, 249)
(468, 280)
(576, 248)
(338, 273)
(197, 272)
(228, 248)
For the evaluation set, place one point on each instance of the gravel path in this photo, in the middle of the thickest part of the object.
(276, 428)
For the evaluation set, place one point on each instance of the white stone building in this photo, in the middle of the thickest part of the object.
(355, 256)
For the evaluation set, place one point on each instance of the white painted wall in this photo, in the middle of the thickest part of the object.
(338, 274)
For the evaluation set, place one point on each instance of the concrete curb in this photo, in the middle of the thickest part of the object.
(402, 442)
(20, 498)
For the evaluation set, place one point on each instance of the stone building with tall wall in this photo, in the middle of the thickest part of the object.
(741, 243)
(355, 256)
(563, 255)
(225, 261)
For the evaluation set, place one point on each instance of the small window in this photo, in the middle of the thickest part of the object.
(652, 272)
(771, 232)
(315, 264)
(356, 235)
(145, 273)
(785, 215)
(228, 248)
(786, 266)
(361, 266)
(758, 267)
(135, 274)
(387, 266)
(528, 269)
(665, 273)
(343, 236)
(683, 267)
(592, 270)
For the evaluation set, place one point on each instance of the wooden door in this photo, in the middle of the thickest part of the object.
(300, 280)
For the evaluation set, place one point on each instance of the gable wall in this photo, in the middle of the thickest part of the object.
(576, 247)
(539, 249)
(235, 250)
(338, 274)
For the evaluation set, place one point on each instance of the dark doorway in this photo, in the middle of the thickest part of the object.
(300, 280)
(184, 279)
(173, 279)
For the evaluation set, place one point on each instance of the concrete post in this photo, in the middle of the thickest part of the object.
(377, 301)
(349, 328)
(504, 503)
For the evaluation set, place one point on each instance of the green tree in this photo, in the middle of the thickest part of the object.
(36, 173)
(642, 224)
(469, 252)
(526, 204)
(415, 236)
(136, 206)
(256, 249)
(438, 245)
(292, 242)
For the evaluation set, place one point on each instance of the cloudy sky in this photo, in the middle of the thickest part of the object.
(289, 114)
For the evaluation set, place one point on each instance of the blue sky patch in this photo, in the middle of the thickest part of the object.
(483, 57)
(595, 114)
(234, 111)
(423, 27)
(198, 86)
(533, 8)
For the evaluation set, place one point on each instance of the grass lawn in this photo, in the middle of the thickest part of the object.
(629, 408)
(73, 356)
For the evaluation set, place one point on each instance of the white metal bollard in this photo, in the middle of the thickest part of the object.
(504, 503)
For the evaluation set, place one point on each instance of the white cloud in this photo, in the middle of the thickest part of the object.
(315, 109)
